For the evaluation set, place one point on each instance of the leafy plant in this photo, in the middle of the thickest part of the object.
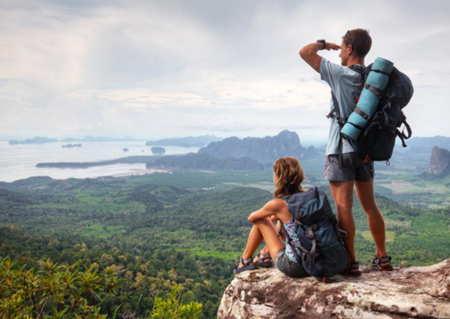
(56, 291)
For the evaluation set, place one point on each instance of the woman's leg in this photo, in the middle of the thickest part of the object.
(265, 250)
(263, 230)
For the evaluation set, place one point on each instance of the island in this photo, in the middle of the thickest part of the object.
(158, 150)
(35, 140)
(123, 160)
(72, 145)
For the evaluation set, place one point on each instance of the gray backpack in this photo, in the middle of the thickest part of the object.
(322, 247)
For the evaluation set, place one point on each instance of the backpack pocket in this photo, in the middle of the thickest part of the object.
(335, 259)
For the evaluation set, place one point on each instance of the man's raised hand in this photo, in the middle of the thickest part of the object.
(332, 46)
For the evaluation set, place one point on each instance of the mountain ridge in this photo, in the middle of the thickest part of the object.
(269, 148)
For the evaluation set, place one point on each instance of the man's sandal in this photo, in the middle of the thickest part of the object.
(261, 263)
(352, 270)
(247, 265)
(377, 262)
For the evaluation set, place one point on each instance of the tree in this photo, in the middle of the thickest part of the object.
(58, 291)
(172, 308)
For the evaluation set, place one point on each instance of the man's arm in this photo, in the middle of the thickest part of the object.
(309, 53)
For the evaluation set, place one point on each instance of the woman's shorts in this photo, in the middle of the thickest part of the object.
(288, 267)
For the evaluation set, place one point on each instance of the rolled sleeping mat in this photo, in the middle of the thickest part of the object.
(368, 101)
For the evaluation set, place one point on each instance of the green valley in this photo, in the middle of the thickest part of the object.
(185, 227)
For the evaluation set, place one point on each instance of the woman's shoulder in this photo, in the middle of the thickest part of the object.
(276, 204)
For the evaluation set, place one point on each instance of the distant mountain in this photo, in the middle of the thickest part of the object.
(189, 141)
(205, 161)
(439, 163)
(35, 140)
(89, 138)
(262, 149)
(418, 145)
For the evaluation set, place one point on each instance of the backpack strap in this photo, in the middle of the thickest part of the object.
(335, 112)
(358, 69)
(378, 93)
(342, 120)
(304, 251)
(361, 112)
(307, 255)
(402, 134)
(342, 234)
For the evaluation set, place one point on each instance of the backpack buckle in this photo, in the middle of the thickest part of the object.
(310, 233)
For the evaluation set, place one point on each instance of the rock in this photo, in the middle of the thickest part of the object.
(439, 163)
(416, 292)
(268, 148)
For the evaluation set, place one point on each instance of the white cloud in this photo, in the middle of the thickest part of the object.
(169, 68)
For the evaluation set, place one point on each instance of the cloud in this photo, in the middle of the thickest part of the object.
(176, 67)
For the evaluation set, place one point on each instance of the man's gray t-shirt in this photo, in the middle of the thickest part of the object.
(346, 85)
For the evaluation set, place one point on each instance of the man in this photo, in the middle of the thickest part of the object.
(352, 173)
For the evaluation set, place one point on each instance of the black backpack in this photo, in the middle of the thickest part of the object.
(376, 142)
(322, 247)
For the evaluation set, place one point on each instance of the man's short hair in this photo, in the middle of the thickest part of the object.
(360, 41)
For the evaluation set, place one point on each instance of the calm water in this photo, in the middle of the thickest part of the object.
(19, 161)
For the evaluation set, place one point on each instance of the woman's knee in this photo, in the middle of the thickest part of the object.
(265, 221)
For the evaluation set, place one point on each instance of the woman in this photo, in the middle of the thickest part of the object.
(287, 176)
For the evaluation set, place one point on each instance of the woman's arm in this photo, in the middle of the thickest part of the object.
(271, 208)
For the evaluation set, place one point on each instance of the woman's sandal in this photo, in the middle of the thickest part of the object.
(352, 270)
(262, 263)
(377, 262)
(247, 265)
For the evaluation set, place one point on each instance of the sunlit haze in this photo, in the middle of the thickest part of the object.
(158, 69)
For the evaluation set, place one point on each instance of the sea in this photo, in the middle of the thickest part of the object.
(19, 161)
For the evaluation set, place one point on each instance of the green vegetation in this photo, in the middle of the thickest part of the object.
(67, 291)
(188, 228)
(56, 291)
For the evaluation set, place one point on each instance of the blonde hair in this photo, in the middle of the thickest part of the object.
(290, 177)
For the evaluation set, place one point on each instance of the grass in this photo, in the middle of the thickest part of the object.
(227, 255)
(98, 230)
(390, 235)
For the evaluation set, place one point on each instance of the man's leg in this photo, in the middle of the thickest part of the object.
(366, 195)
(343, 198)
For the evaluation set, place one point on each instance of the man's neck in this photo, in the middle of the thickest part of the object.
(355, 60)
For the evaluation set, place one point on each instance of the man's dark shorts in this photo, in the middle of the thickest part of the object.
(353, 169)
(288, 267)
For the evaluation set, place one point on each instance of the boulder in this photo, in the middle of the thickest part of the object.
(416, 292)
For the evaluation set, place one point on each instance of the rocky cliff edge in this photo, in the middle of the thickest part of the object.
(416, 292)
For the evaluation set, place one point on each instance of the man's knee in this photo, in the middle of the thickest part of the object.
(370, 208)
(344, 209)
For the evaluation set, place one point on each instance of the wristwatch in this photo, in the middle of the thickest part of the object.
(323, 42)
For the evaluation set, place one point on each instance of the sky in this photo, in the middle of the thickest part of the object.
(160, 69)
